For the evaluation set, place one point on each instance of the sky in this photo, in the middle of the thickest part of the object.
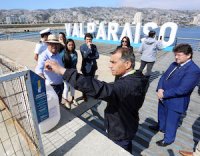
(58, 4)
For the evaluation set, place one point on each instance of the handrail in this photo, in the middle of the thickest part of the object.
(188, 38)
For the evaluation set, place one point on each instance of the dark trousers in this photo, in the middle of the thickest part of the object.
(125, 144)
(168, 121)
(149, 67)
(59, 90)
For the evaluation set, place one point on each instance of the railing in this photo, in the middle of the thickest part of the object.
(24, 35)
(194, 42)
(19, 132)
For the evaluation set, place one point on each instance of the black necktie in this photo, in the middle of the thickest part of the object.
(173, 71)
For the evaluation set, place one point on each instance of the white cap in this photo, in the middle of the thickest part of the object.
(47, 30)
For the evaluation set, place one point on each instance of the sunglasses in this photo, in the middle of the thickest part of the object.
(124, 41)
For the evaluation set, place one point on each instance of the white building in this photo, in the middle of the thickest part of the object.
(11, 19)
(22, 19)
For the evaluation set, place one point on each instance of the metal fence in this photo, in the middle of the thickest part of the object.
(25, 35)
(19, 132)
(194, 42)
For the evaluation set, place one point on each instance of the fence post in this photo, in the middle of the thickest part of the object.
(175, 41)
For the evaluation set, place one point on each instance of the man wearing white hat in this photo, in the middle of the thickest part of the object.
(41, 46)
(51, 53)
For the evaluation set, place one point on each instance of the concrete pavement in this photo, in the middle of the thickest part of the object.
(71, 136)
(144, 142)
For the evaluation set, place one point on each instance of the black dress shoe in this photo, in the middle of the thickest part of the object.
(162, 143)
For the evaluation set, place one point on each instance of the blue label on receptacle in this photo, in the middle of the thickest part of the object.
(40, 97)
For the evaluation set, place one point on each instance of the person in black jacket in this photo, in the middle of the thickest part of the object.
(125, 96)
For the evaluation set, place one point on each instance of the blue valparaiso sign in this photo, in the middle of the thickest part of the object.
(40, 97)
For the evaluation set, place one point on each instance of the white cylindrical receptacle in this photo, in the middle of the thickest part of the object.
(54, 110)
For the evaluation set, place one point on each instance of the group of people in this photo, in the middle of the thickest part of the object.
(63, 51)
(125, 96)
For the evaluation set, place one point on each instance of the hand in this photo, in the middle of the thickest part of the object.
(89, 45)
(54, 67)
(160, 94)
(41, 75)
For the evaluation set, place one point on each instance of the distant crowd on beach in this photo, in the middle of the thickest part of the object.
(57, 59)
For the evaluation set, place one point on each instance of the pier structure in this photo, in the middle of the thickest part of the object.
(81, 131)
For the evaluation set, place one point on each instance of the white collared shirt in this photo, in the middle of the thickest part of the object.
(181, 65)
(185, 62)
(130, 72)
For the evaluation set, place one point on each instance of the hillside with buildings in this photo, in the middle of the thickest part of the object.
(98, 14)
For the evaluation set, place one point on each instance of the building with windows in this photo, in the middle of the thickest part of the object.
(13, 19)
